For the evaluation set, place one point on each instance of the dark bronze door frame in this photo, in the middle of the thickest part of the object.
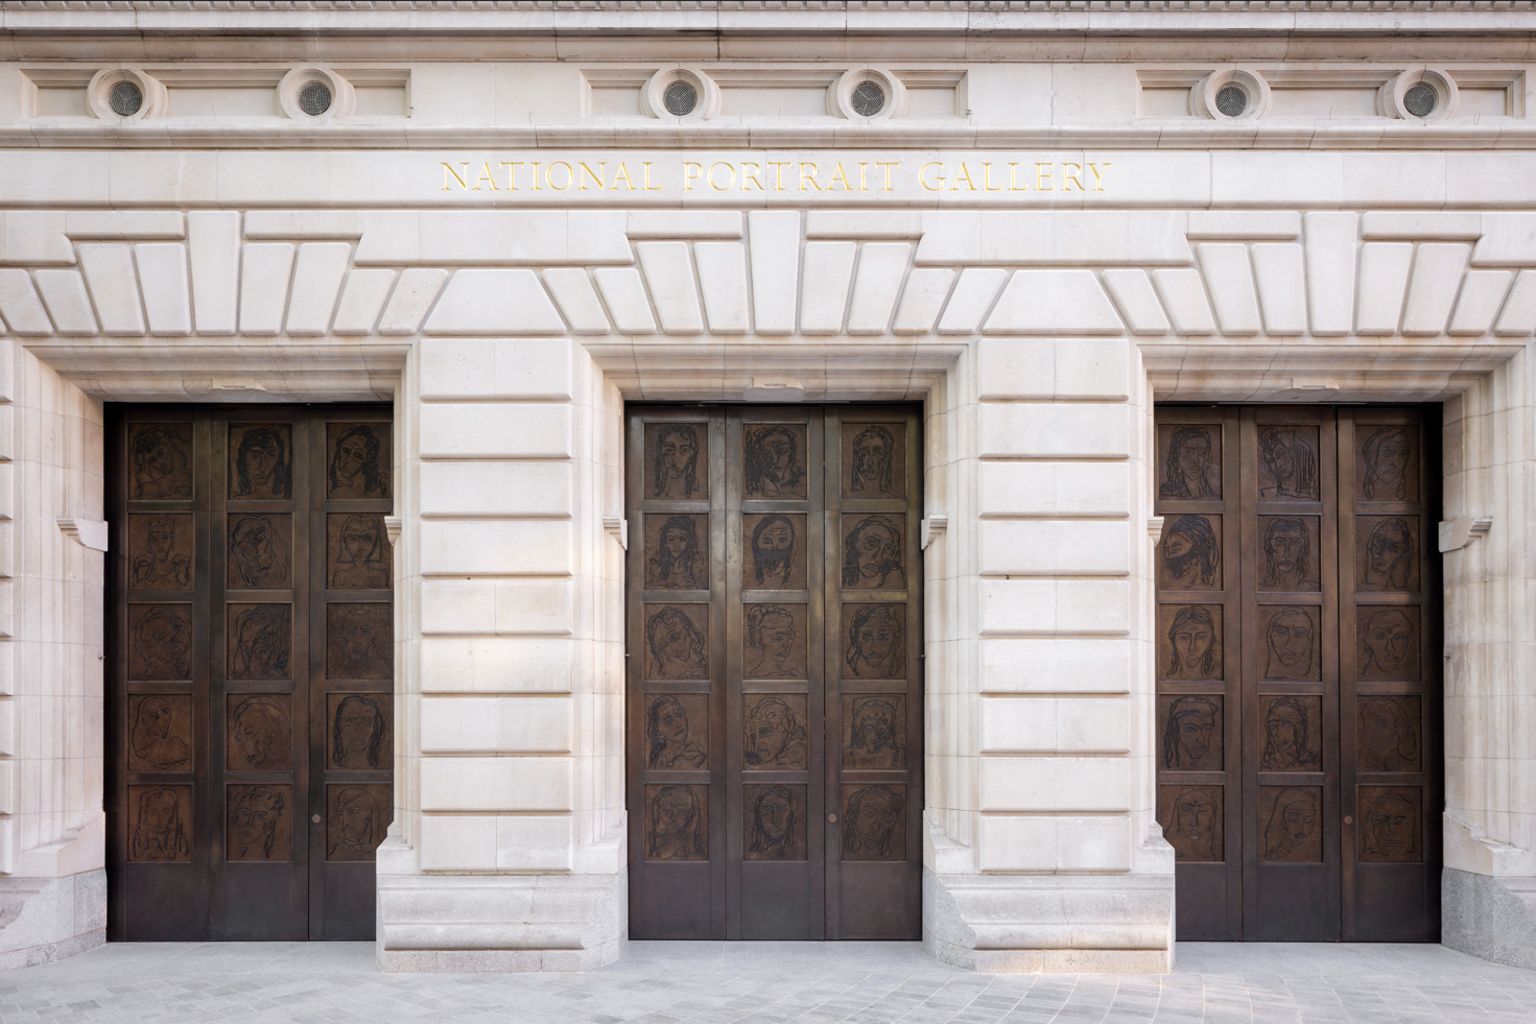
(249, 765)
(1298, 640)
(774, 766)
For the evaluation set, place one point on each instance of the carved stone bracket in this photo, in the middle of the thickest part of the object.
(1456, 534)
(1155, 529)
(392, 526)
(618, 529)
(90, 533)
(932, 526)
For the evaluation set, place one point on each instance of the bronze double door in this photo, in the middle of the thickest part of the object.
(249, 670)
(774, 700)
(1298, 663)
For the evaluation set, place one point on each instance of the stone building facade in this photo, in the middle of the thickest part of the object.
(1037, 225)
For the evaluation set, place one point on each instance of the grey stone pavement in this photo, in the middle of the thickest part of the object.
(760, 983)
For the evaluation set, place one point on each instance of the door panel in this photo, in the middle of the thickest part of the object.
(249, 766)
(1307, 568)
(753, 558)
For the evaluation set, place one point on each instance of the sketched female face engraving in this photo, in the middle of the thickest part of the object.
(354, 471)
(1190, 733)
(1389, 556)
(1387, 452)
(773, 551)
(1192, 827)
(1191, 553)
(873, 738)
(253, 550)
(261, 464)
(675, 832)
(1391, 828)
(255, 813)
(150, 738)
(870, 825)
(872, 555)
(774, 823)
(676, 472)
(1287, 553)
(1388, 738)
(261, 731)
(261, 642)
(772, 460)
(1289, 641)
(667, 730)
(676, 646)
(873, 455)
(1290, 464)
(1286, 736)
(1192, 644)
(162, 645)
(357, 560)
(353, 833)
(1387, 644)
(159, 831)
(1292, 825)
(775, 736)
(677, 561)
(357, 734)
(160, 564)
(773, 639)
(875, 643)
(161, 466)
(1187, 465)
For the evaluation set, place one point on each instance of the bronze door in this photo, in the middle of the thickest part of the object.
(774, 781)
(1298, 672)
(249, 768)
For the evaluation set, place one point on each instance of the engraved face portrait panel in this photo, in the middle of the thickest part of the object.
(774, 639)
(774, 733)
(874, 641)
(1189, 641)
(1388, 643)
(1193, 821)
(873, 547)
(1289, 553)
(774, 558)
(676, 552)
(874, 822)
(1190, 727)
(874, 460)
(258, 638)
(159, 732)
(677, 731)
(356, 552)
(677, 461)
(1386, 463)
(1388, 736)
(1290, 728)
(260, 460)
(359, 641)
(676, 641)
(258, 732)
(361, 730)
(357, 460)
(260, 551)
(259, 822)
(159, 641)
(675, 821)
(1390, 829)
(160, 551)
(1190, 553)
(1288, 463)
(773, 460)
(874, 730)
(774, 821)
(357, 816)
(1292, 642)
(1189, 461)
(1291, 824)
(160, 461)
(160, 823)
(1387, 553)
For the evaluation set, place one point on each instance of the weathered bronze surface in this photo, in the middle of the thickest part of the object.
(250, 747)
(774, 686)
(1298, 672)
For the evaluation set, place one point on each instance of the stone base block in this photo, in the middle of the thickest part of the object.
(1075, 924)
(48, 919)
(501, 923)
(1493, 918)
